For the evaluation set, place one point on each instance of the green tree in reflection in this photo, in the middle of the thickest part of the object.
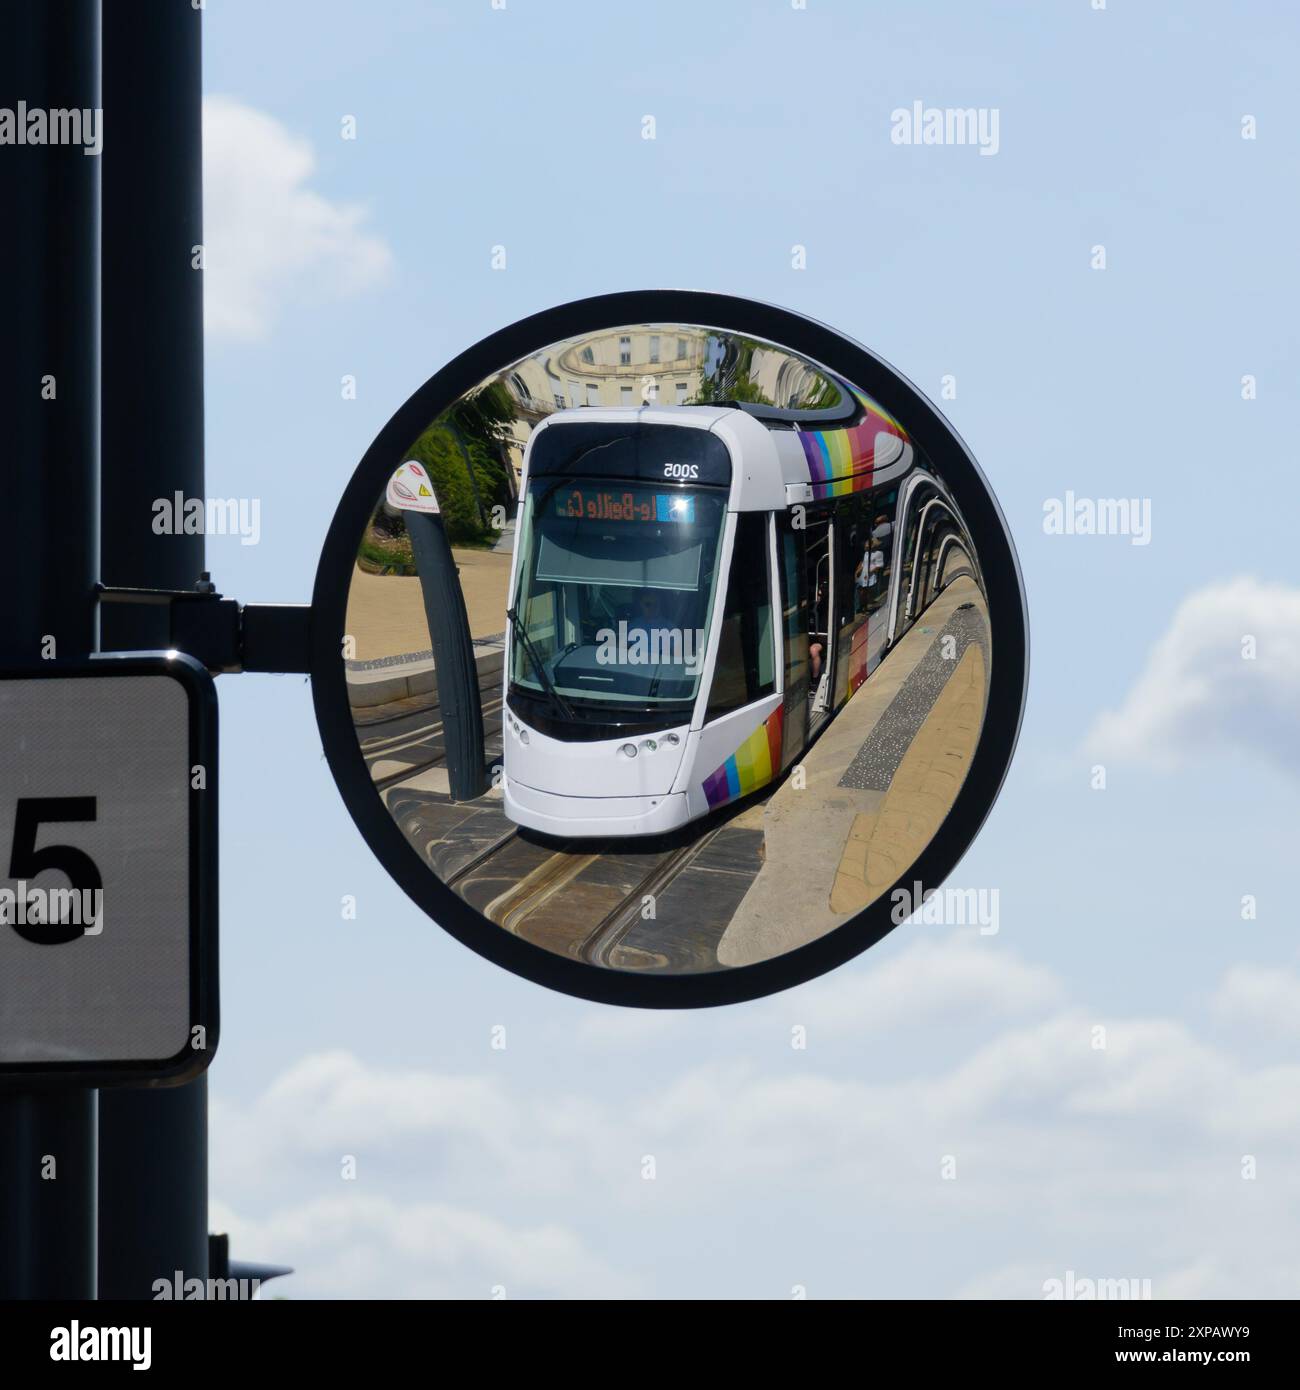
(464, 453)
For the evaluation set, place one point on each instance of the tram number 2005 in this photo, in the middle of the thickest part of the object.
(681, 470)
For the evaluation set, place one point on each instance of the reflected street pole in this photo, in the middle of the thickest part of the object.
(453, 655)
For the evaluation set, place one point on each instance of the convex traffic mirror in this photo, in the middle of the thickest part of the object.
(669, 648)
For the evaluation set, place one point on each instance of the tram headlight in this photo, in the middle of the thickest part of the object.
(628, 750)
(671, 740)
(523, 735)
(649, 745)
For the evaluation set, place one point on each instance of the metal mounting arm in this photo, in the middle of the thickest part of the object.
(223, 634)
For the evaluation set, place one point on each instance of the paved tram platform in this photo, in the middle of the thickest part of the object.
(875, 786)
(385, 615)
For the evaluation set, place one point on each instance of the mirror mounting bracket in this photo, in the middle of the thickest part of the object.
(225, 635)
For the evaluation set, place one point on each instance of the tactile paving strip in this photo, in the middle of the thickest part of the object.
(875, 763)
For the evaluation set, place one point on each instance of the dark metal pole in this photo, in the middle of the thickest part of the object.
(49, 468)
(453, 655)
(153, 1143)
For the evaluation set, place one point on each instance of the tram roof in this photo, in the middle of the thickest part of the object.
(813, 455)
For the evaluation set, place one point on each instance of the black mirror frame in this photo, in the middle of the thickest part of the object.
(824, 346)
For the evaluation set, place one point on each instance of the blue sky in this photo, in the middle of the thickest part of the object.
(777, 1168)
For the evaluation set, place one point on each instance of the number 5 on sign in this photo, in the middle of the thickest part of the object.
(108, 871)
(54, 916)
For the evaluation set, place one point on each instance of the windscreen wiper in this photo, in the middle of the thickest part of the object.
(548, 685)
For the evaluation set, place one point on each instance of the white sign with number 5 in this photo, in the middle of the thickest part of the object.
(101, 805)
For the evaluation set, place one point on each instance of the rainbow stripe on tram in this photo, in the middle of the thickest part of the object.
(751, 766)
(840, 461)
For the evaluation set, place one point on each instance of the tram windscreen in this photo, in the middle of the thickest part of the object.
(615, 587)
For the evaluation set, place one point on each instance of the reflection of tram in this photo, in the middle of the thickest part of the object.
(695, 591)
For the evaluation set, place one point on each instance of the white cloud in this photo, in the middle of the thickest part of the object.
(610, 1026)
(1203, 1278)
(959, 978)
(1198, 693)
(269, 239)
(1260, 998)
(355, 1246)
(1122, 1161)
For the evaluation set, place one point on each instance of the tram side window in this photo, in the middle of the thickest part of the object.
(953, 560)
(852, 537)
(880, 558)
(928, 585)
(928, 551)
(746, 666)
(936, 528)
(915, 505)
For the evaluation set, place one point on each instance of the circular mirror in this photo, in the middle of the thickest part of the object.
(669, 648)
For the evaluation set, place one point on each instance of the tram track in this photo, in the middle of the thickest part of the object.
(408, 738)
(598, 946)
(512, 908)
(583, 899)
(425, 736)
(482, 857)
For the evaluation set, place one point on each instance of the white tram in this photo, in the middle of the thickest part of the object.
(695, 591)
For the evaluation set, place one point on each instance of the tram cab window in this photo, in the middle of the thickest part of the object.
(746, 663)
(614, 592)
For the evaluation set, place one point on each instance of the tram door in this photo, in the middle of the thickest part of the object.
(818, 579)
(808, 596)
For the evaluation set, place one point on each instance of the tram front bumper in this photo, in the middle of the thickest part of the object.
(588, 816)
